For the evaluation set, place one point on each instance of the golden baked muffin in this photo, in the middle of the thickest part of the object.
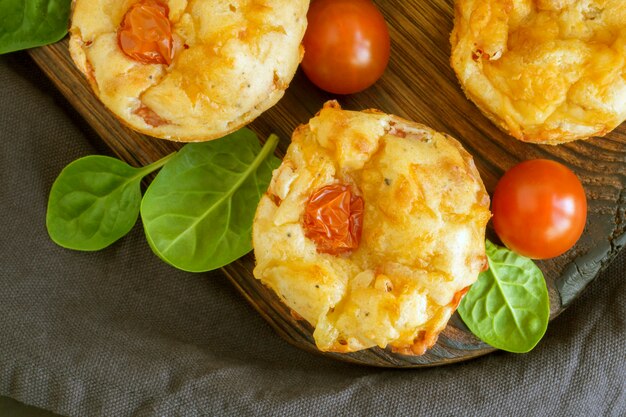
(545, 71)
(188, 70)
(371, 230)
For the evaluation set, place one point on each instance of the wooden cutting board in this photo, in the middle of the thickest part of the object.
(418, 85)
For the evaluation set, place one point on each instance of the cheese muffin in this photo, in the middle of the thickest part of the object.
(545, 71)
(188, 70)
(372, 229)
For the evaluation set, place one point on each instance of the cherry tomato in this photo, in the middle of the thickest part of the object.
(539, 209)
(333, 219)
(346, 45)
(145, 33)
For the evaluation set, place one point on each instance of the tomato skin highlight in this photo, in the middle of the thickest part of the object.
(346, 45)
(539, 209)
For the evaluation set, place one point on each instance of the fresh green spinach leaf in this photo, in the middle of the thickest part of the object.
(95, 201)
(30, 23)
(198, 211)
(508, 306)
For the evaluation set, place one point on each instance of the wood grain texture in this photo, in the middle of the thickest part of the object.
(418, 85)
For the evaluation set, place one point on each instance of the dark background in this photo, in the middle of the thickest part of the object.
(118, 332)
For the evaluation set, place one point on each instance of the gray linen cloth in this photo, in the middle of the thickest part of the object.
(119, 333)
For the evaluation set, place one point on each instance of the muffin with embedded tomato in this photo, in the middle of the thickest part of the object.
(372, 229)
(188, 71)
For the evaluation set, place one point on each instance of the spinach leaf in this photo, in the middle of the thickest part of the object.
(95, 201)
(508, 306)
(198, 211)
(29, 23)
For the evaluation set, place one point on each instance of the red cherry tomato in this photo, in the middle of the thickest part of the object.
(333, 219)
(346, 45)
(145, 33)
(539, 209)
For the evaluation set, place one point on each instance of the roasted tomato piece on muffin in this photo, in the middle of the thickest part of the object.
(545, 71)
(372, 229)
(188, 70)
